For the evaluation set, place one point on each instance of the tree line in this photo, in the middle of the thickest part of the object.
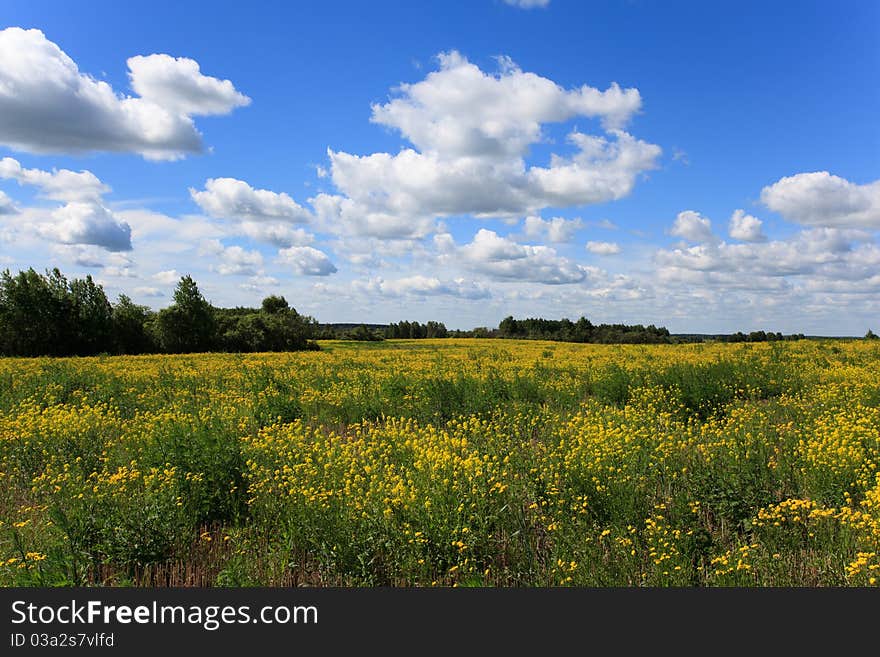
(415, 330)
(583, 330)
(760, 336)
(377, 332)
(49, 315)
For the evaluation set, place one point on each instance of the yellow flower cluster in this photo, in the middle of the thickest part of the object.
(451, 462)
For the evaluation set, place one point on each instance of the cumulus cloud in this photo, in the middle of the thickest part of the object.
(820, 280)
(87, 223)
(603, 248)
(177, 84)
(745, 227)
(399, 195)
(307, 261)
(424, 286)
(84, 219)
(114, 263)
(169, 241)
(259, 283)
(260, 214)
(147, 291)
(601, 170)
(47, 105)
(114, 271)
(503, 259)
(556, 229)
(85, 258)
(828, 253)
(460, 110)
(472, 132)
(822, 199)
(6, 205)
(237, 261)
(229, 198)
(693, 227)
(444, 243)
(58, 185)
(167, 277)
(375, 253)
(276, 233)
(345, 216)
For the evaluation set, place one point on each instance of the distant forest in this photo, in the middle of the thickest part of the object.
(49, 315)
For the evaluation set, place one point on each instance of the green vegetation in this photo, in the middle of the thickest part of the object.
(47, 315)
(452, 462)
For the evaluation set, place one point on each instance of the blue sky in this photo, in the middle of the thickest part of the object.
(729, 181)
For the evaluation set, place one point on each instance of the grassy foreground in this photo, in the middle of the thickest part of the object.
(453, 462)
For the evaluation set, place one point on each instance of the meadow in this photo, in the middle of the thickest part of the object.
(456, 462)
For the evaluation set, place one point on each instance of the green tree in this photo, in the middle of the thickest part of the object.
(130, 327)
(188, 325)
(274, 304)
(509, 327)
(364, 334)
(39, 314)
(27, 323)
(90, 320)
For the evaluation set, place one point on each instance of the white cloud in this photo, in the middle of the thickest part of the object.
(58, 185)
(87, 223)
(693, 227)
(276, 233)
(472, 132)
(601, 170)
(91, 256)
(260, 214)
(177, 84)
(605, 224)
(236, 261)
(556, 229)
(444, 243)
(307, 261)
(745, 227)
(398, 195)
(211, 247)
(503, 259)
(6, 205)
(47, 105)
(167, 277)
(229, 198)
(345, 216)
(259, 283)
(114, 271)
(84, 219)
(88, 259)
(462, 111)
(822, 199)
(414, 186)
(419, 285)
(528, 4)
(375, 253)
(146, 291)
(820, 280)
(822, 252)
(603, 248)
(169, 234)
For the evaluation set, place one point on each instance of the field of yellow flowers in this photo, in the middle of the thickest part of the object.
(446, 462)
